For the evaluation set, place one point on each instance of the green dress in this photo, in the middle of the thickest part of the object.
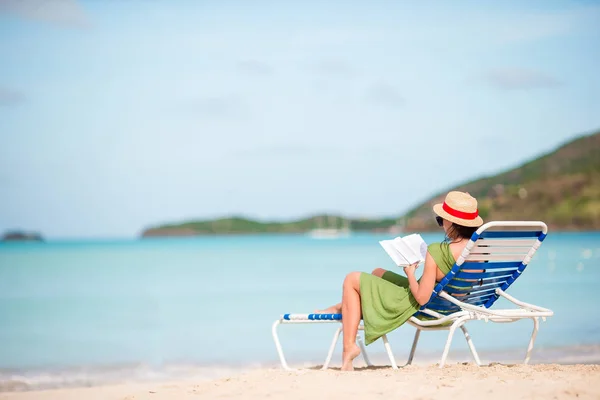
(388, 303)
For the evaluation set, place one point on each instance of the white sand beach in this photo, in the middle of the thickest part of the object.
(494, 381)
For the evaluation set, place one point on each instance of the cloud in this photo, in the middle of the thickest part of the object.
(518, 78)
(68, 13)
(509, 27)
(333, 67)
(384, 94)
(253, 67)
(218, 106)
(10, 97)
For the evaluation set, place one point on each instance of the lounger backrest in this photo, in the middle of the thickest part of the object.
(495, 257)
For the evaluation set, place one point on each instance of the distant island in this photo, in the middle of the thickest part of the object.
(241, 225)
(561, 188)
(18, 236)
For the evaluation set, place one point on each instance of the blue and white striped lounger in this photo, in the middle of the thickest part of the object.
(502, 250)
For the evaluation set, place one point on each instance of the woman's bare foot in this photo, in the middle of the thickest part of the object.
(348, 356)
(337, 309)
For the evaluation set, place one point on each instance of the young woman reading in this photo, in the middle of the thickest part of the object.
(385, 300)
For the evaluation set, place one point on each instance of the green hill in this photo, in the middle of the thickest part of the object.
(239, 225)
(561, 188)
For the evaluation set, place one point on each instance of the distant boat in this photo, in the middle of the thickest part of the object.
(330, 232)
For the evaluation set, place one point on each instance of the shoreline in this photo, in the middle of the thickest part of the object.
(495, 381)
(29, 380)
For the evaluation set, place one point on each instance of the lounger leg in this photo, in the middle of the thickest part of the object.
(336, 337)
(278, 346)
(388, 350)
(414, 346)
(536, 325)
(471, 345)
(363, 351)
(455, 325)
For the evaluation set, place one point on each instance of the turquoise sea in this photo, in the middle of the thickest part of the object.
(94, 312)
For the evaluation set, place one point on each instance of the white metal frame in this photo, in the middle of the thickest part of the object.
(468, 312)
(336, 336)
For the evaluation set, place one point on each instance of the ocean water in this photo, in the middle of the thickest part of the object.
(94, 312)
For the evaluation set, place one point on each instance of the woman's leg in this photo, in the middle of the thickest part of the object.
(351, 312)
(337, 308)
(379, 272)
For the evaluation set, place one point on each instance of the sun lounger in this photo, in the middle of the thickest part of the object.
(493, 259)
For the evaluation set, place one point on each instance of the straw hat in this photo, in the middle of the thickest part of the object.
(460, 208)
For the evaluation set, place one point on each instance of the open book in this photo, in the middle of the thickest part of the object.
(406, 250)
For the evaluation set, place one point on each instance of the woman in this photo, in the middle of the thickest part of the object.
(386, 300)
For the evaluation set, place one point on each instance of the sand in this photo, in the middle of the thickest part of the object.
(494, 381)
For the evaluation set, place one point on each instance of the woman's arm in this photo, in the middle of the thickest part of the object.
(421, 290)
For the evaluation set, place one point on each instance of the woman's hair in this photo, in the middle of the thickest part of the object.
(460, 232)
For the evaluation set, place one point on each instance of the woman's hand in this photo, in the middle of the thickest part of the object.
(411, 268)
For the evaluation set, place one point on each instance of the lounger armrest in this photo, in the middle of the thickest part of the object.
(441, 320)
(465, 306)
(432, 313)
(526, 309)
(522, 304)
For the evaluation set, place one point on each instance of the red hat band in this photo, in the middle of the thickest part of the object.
(459, 214)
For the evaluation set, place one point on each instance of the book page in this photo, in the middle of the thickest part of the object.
(417, 246)
(389, 248)
(407, 252)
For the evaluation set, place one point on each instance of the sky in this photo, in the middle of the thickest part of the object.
(120, 115)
